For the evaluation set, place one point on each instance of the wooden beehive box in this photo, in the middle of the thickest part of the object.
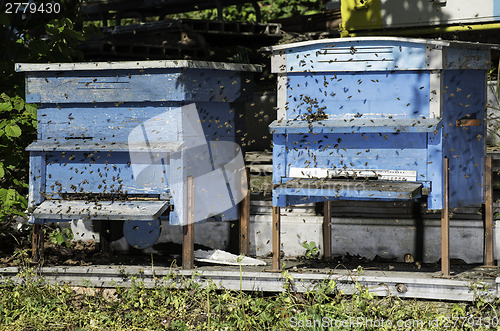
(94, 118)
(373, 118)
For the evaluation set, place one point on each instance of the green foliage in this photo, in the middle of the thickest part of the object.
(283, 9)
(17, 128)
(312, 251)
(61, 236)
(32, 304)
(270, 10)
(35, 38)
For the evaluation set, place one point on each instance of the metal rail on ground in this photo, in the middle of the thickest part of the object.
(421, 285)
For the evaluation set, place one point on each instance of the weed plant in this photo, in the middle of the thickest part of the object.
(176, 303)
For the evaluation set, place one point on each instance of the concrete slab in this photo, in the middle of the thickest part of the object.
(387, 237)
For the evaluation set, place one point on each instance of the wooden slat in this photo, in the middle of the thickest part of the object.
(488, 214)
(102, 210)
(169, 85)
(493, 152)
(399, 209)
(445, 224)
(114, 122)
(347, 189)
(261, 168)
(131, 65)
(276, 239)
(37, 243)
(327, 230)
(82, 145)
(245, 217)
(188, 227)
(355, 125)
(264, 157)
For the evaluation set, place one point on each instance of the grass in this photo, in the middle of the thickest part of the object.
(31, 304)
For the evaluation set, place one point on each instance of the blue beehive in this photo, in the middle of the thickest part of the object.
(117, 141)
(373, 119)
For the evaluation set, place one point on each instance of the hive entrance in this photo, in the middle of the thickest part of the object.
(355, 174)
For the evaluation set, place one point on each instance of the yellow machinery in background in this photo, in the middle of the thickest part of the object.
(418, 17)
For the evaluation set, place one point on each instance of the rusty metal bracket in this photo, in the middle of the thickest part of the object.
(468, 122)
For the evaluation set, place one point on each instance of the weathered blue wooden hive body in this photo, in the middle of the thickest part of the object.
(117, 140)
(373, 118)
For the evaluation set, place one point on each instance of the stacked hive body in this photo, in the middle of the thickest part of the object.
(374, 118)
(116, 141)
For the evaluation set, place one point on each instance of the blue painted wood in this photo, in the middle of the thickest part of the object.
(171, 84)
(359, 151)
(461, 58)
(279, 157)
(355, 125)
(90, 172)
(465, 145)
(355, 55)
(125, 132)
(101, 210)
(345, 108)
(307, 190)
(114, 122)
(368, 94)
(37, 177)
(111, 172)
(292, 200)
(435, 170)
(217, 170)
(89, 145)
(379, 54)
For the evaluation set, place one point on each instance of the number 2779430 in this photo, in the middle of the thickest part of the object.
(32, 8)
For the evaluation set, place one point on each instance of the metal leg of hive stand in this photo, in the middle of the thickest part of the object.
(488, 214)
(327, 230)
(245, 217)
(276, 238)
(188, 228)
(37, 246)
(445, 225)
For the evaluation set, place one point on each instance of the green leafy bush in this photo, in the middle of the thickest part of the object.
(28, 39)
(270, 10)
(17, 127)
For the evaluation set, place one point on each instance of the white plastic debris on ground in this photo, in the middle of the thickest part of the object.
(221, 257)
